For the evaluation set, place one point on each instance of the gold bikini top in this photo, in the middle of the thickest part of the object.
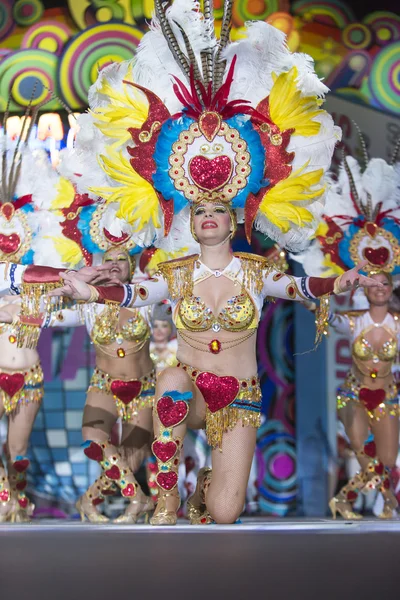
(238, 314)
(363, 350)
(106, 328)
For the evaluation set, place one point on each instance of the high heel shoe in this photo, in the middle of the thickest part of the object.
(130, 517)
(162, 515)
(92, 517)
(346, 513)
(196, 509)
(5, 497)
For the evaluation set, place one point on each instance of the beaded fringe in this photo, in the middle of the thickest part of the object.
(225, 419)
(21, 398)
(34, 301)
(321, 319)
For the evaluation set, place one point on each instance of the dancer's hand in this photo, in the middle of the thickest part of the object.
(91, 274)
(353, 279)
(73, 287)
(5, 316)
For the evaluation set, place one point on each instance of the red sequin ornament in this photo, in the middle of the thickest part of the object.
(21, 465)
(129, 491)
(12, 383)
(210, 173)
(94, 452)
(171, 413)
(167, 481)
(113, 473)
(126, 391)
(351, 495)
(371, 398)
(4, 496)
(370, 449)
(218, 392)
(377, 256)
(164, 451)
(9, 244)
(23, 502)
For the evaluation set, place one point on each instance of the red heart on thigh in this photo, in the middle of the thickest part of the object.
(12, 383)
(371, 398)
(171, 413)
(94, 451)
(218, 392)
(164, 451)
(126, 391)
(113, 473)
(167, 481)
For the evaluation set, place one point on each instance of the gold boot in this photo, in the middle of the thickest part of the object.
(162, 515)
(196, 508)
(133, 514)
(92, 516)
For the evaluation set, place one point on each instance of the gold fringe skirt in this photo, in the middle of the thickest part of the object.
(21, 387)
(224, 412)
(130, 395)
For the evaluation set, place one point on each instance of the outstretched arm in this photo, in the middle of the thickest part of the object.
(142, 294)
(279, 285)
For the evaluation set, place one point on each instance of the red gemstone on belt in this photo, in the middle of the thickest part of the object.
(215, 346)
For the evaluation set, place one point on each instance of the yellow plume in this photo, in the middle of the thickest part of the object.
(65, 194)
(138, 202)
(68, 250)
(278, 204)
(296, 112)
(160, 256)
(128, 109)
(332, 268)
(322, 229)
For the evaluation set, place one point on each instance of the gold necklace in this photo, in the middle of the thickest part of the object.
(215, 346)
(121, 352)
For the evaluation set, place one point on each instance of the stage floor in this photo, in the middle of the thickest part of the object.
(299, 558)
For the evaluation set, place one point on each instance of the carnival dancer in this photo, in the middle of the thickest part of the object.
(246, 140)
(362, 221)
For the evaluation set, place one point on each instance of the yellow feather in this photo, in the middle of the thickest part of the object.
(297, 112)
(65, 194)
(160, 256)
(128, 109)
(279, 203)
(332, 268)
(68, 250)
(138, 202)
(322, 229)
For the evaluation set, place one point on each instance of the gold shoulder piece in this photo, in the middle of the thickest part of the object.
(255, 269)
(178, 274)
(351, 313)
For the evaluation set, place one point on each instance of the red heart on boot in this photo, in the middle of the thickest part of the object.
(126, 391)
(113, 473)
(370, 449)
(171, 413)
(167, 481)
(164, 451)
(371, 398)
(97, 501)
(23, 502)
(12, 383)
(129, 491)
(351, 496)
(218, 392)
(94, 452)
(21, 465)
(210, 174)
(4, 496)
(21, 485)
(379, 468)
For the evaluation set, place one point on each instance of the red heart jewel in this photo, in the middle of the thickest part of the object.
(4, 496)
(109, 492)
(351, 496)
(379, 468)
(164, 451)
(386, 483)
(21, 485)
(12, 383)
(167, 481)
(23, 502)
(129, 491)
(210, 173)
(377, 256)
(97, 501)
(210, 124)
(113, 473)
(218, 392)
(94, 452)
(370, 449)
(9, 244)
(171, 413)
(126, 391)
(21, 465)
(371, 398)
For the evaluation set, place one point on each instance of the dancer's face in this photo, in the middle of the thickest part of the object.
(161, 331)
(379, 296)
(211, 223)
(119, 263)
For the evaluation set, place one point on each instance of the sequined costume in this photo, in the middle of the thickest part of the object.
(377, 401)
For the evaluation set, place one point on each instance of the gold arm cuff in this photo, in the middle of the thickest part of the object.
(336, 286)
(94, 294)
(321, 319)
